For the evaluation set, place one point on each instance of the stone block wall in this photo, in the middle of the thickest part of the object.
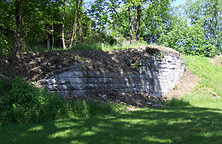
(163, 73)
(157, 75)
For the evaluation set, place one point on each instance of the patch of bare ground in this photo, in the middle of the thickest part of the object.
(217, 60)
(185, 85)
(34, 66)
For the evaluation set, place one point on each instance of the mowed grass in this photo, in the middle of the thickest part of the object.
(198, 122)
(170, 125)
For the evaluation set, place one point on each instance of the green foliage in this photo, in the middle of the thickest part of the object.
(106, 47)
(5, 46)
(194, 28)
(86, 108)
(153, 15)
(136, 66)
(21, 102)
(177, 102)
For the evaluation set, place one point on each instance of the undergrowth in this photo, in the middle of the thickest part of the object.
(94, 46)
(175, 102)
(20, 102)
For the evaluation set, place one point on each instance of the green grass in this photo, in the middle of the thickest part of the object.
(211, 82)
(107, 47)
(169, 125)
(95, 46)
(195, 118)
(124, 46)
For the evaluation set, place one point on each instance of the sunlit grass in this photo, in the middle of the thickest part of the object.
(210, 83)
(211, 75)
(92, 46)
(107, 47)
(123, 46)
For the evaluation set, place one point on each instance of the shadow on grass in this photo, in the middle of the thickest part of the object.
(162, 125)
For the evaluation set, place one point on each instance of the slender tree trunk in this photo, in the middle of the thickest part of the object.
(75, 24)
(138, 23)
(18, 45)
(48, 41)
(81, 33)
(52, 35)
(63, 25)
(80, 23)
(48, 45)
(131, 25)
(52, 31)
(213, 30)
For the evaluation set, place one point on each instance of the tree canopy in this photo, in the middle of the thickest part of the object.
(35, 25)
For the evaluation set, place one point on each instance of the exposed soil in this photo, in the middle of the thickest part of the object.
(34, 66)
(185, 85)
(217, 60)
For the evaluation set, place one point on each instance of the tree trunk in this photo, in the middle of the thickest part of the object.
(52, 35)
(63, 25)
(80, 22)
(18, 45)
(47, 38)
(81, 33)
(75, 24)
(138, 23)
(48, 45)
(52, 30)
(131, 25)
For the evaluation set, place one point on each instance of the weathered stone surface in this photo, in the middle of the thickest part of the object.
(157, 75)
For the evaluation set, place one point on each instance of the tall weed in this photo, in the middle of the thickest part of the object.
(177, 102)
(20, 102)
(23, 102)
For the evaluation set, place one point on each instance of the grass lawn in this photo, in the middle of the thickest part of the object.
(198, 122)
(169, 125)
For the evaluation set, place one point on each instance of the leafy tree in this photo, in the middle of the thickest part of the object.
(130, 14)
(209, 12)
(99, 14)
(154, 16)
(77, 12)
(25, 24)
(193, 29)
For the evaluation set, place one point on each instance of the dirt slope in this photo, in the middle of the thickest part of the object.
(34, 66)
(185, 85)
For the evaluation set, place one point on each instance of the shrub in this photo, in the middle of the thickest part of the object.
(20, 102)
